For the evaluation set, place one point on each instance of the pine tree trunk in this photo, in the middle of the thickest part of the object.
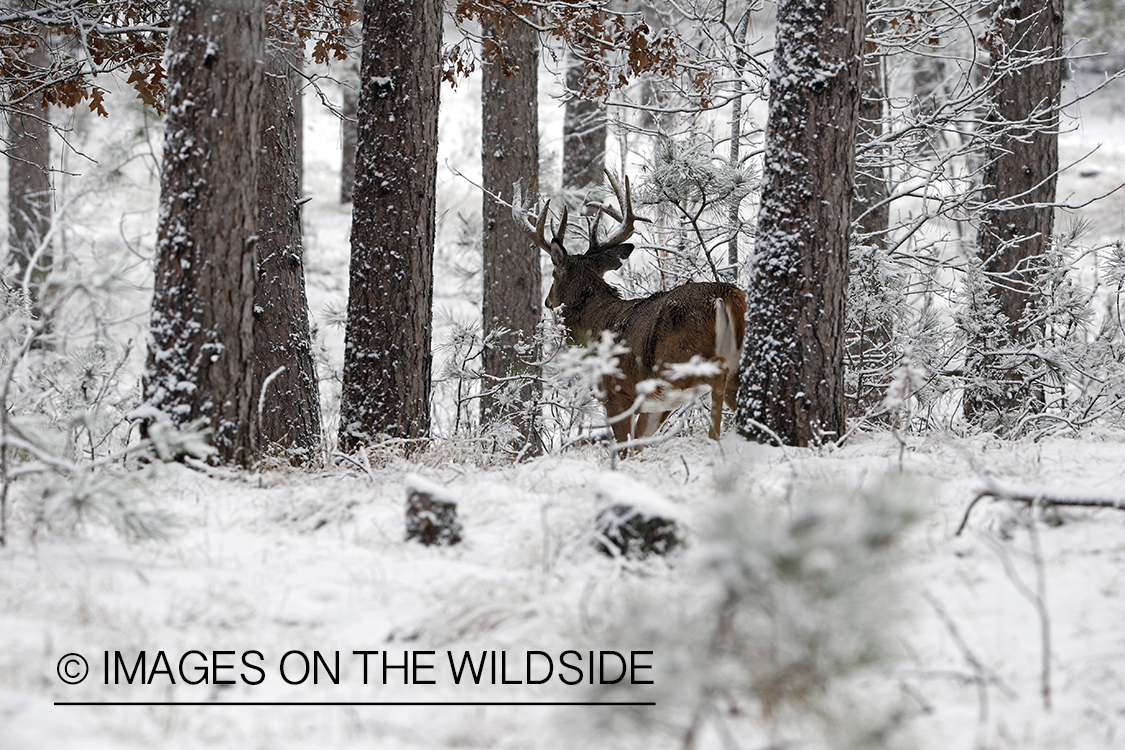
(29, 186)
(511, 265)
(869, 207)
(200, 359)
(288, 411)
(1020, 179)
(387, 359)
(791, 376)
(870, 327)
(742, 29)
(584, 132)
(349, 128)
(1021, 174)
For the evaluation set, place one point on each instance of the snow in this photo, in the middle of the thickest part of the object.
(279, 562)
(290, 565)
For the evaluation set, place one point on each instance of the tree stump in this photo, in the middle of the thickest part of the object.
(635, 523)
(430, 519)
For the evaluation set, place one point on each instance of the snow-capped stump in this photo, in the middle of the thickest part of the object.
(430, 518)
(634, 521)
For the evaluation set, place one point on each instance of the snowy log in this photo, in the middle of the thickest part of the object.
(624, 530)
(633, 522)
(430, 518)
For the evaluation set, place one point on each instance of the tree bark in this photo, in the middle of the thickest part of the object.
(29, 186)
(742, 29)
(349, 130)
(349, 127)
(1022, 170)
(288, 406)
(792, 385)
(511, 265)
(870, 308)
(1020, 179)
(584, 134)
(200, 358)
(387, 359)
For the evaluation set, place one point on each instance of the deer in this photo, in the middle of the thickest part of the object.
(688, 339)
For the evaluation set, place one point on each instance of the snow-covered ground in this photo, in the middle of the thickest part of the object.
(261, 571)
(279, 562)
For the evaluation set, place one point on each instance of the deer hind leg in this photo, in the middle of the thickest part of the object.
(641, 429)
(719, 394)
(617, 403)
(732, 391)
(650, 422)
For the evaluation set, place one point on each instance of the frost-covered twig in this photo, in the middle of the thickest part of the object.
(212, 471)
(1038, 599)
(1040, 602)
(1038, 499)
(983, 675)
(651, 440)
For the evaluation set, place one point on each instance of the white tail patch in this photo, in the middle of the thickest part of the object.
(727, 343)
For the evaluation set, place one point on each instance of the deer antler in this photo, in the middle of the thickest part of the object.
(554, 248)
(626, 216)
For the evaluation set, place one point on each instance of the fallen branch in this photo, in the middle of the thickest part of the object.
(1039, 499)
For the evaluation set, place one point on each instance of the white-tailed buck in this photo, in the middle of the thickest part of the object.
(690, 337)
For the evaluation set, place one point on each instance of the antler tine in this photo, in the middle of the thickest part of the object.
(594, 227)
(628, 218)
(562, 225)
(536, 231)
(519, 215)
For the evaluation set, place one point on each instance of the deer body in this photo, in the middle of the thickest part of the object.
(698, 323)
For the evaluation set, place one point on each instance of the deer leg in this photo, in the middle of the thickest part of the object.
(640, 430)
(617, 403)
(648, 422)
(716, 415)
(732, 390)
(718, 395)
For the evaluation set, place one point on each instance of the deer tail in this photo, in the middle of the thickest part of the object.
(729, 327)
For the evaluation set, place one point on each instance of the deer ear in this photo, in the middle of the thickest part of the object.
(611, 259)
(558, 254)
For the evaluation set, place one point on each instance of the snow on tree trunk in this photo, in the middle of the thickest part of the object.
(1020, 177)
(511, 267)
(387, 359)
(791, 374)
(29, 183)
(200, 358)
(584, 132)
(289, 414)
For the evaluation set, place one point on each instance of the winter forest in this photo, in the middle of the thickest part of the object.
(725, 374)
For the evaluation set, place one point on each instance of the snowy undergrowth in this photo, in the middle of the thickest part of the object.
(275, 562)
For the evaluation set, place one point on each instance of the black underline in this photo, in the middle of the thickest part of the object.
(353, 703)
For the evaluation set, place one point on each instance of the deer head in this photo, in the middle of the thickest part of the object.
(576, 277)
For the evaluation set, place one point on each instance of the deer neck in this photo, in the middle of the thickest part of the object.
(593, 308)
